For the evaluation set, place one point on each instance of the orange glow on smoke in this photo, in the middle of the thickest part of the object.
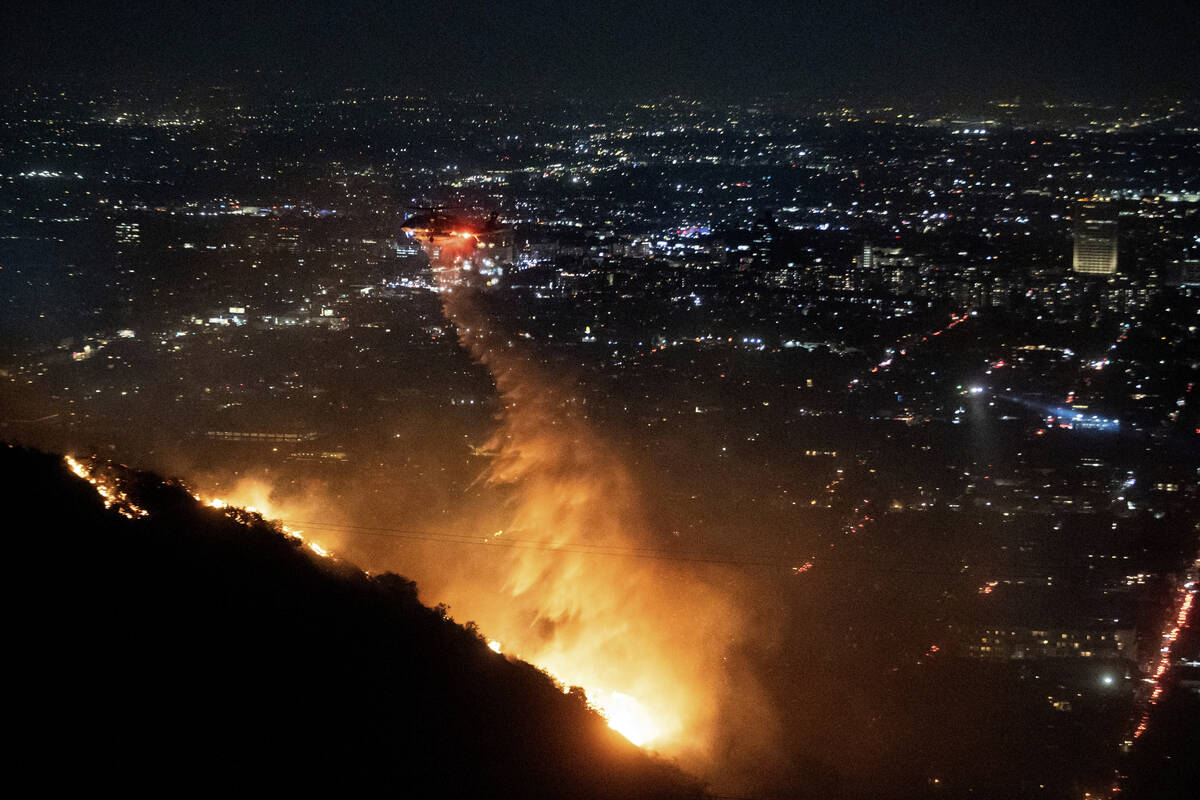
(647, 641)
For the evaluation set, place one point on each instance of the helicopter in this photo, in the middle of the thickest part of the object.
(438, 228)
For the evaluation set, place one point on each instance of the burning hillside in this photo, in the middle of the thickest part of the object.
(170, 637)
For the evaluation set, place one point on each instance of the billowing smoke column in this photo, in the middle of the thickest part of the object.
(650, 641)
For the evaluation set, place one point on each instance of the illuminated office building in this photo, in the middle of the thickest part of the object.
(1095, 238)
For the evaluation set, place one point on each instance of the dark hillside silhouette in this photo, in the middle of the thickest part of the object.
(186, 650)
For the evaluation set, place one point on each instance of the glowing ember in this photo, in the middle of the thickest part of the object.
(112, 495)
(79, 470)
(494, 646)
(115, 498)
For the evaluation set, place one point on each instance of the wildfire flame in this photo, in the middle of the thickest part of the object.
(114, 497)
(623, 712)
(108, 489)
(626, 716)
(648, 643)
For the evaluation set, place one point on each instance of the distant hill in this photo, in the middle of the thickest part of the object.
(185, 650)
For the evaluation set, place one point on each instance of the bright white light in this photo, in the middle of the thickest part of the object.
(625, 715)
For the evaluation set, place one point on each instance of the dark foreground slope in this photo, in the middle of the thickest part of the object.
(187, 649)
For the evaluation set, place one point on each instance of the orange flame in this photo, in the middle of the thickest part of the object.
(648, 643)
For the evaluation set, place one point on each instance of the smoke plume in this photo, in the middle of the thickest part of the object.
(581, 592)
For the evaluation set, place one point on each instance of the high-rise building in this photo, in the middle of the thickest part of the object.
(867, 263)
(1186, 272)
(1095, 237)
(886, 268)
(764, 231)
(128, 234)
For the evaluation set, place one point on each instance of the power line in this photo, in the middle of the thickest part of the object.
(629, 551)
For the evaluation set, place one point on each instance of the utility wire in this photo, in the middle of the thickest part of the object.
(629, 551)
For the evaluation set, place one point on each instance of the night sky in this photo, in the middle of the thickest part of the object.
(1100, 49)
